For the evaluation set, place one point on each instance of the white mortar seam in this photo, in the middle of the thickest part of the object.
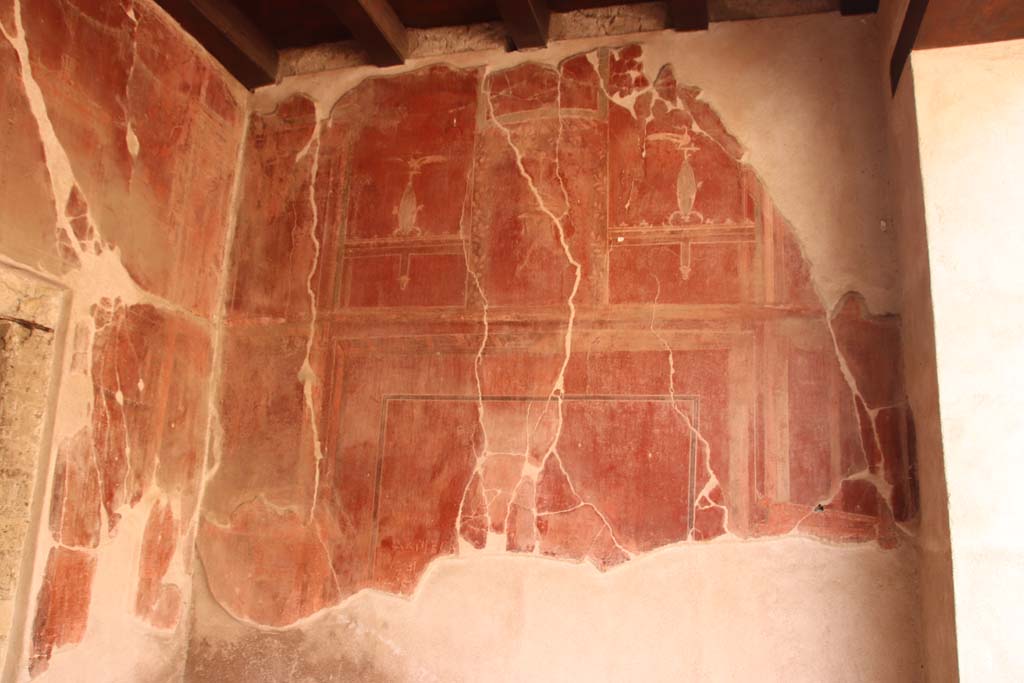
(306, 374)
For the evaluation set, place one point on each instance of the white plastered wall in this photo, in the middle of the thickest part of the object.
(970, 112)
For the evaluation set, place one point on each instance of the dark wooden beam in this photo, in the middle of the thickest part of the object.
(526, 21)
(377, 28)
(905, 42)
(688, 15)
(229, 36)
(847, 7)
(949, 23)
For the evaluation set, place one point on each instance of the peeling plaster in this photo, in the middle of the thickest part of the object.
(306, 374)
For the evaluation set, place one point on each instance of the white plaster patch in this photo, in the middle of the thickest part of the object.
(783, 609)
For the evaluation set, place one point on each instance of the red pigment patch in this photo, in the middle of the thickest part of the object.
(63, 608)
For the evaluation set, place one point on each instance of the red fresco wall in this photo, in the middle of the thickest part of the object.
(544, 310)
(117, 182)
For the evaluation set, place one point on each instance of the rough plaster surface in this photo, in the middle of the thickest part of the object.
(971, 165)
(789, 609)
(615, 20)
(732, 10)
(800, 94)
(29, 318)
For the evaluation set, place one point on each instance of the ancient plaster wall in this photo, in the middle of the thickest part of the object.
(970, 118)
(119, 141)
(534, 360)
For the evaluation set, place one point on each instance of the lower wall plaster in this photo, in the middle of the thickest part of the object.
(31, 337)
(785, 610)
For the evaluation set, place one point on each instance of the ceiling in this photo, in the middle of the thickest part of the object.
(248, 35)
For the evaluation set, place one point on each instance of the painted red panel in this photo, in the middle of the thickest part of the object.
(274, 247)
(507, 426)
(473, 514)
(580, 86)
(631, 460)
(667, 172)
(25, 195)
(521, 526)
(7, 16)
(896, 434)
(174, 82)
(579, 534)
(140, 136)
(796, 276)
(856, 513)
(501, 475)
(411, 160)
(63, 604)
(709, 522)
(676, 274)
(522, 88)
(150, 374)
(520, 255)
(543, 425)
(75, 502)
(625, 71)
(539, 181)
(429, 449)
(554, 491)
(267, 565)
(610, 370)
(406, 280)
(159, 603)
(810, 437)
(870, 346)
(267, 445)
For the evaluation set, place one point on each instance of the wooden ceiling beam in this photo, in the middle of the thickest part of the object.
(849, 7)
(949, 23)
(229, 37)
(688, 15)
(526, 21)
(905, 41)
(377, 28)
